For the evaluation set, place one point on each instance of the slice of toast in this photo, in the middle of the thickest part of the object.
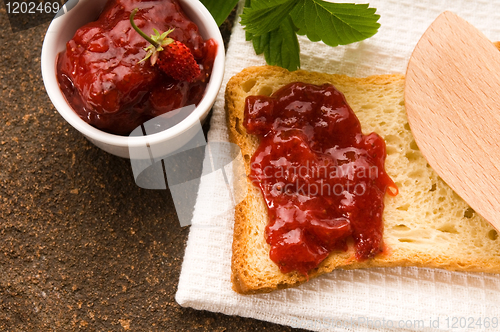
(425, 225)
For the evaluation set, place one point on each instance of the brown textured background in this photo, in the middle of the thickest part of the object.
(81, 246)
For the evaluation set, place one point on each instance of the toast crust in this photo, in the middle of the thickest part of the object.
(252, 270)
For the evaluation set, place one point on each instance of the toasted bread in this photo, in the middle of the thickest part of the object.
(425, 225)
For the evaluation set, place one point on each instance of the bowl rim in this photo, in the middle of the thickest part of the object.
(49, 76)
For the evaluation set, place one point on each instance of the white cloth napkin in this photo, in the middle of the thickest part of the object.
(359, 300)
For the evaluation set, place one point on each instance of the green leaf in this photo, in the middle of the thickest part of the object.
(220, 9)
(248, 35)
(265, 16)
(280, 46)
(273, 25)
(335, 23)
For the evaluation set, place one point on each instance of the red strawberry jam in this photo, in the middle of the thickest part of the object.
(103, 80)
(323, 180)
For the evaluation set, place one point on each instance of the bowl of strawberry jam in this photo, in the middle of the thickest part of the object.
(95, 74)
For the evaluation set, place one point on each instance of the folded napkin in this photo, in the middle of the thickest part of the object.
(358, 300)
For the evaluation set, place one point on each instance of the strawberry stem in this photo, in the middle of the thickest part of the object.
(139, 31)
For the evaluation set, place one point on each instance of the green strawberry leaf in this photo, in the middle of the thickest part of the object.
(220, 9)
(273, 25)
(280, 46)
(248, 35)
(261, 17)
(334, 23)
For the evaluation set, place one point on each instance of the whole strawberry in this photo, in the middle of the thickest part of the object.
(173, 57)
(177, 60)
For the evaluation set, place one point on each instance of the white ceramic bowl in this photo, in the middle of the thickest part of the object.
(62, 29)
